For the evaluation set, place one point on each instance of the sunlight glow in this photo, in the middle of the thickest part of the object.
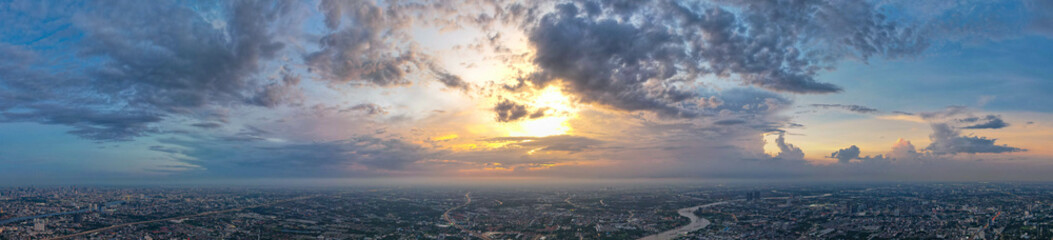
(559, 109)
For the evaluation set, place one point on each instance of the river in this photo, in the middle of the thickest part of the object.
(696, 223)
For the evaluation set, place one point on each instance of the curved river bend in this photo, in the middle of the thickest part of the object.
(696, 223)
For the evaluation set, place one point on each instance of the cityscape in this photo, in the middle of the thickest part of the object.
(526, 119)
(661, 211)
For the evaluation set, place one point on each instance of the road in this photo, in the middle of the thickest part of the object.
(575, 205)
(446, 215)
(19, 219)
(97, 230)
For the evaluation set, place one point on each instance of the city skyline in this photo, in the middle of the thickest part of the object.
(479, 91)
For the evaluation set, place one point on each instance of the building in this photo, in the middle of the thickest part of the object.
(39, 225)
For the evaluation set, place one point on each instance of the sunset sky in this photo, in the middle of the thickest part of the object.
(168, 91)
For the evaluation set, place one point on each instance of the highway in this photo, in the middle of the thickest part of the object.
(575, 205)
(446, 216)
(19, 219)
(97, 230)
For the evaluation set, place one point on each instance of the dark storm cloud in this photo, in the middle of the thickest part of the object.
(986, 122)
(648, 55)
(847, 107)
(846, 155)
(948, 140)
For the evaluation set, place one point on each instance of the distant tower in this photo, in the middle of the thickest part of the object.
(752, 196)
(39, 225)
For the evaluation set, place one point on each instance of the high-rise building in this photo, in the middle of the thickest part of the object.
(752, 196)
(39, 225)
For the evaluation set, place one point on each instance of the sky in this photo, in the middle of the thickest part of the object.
(484, 90)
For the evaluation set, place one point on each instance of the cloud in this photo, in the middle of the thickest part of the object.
(744, 103)
(360, 51)
(565, 143)
(903, 149)
(729, 122)
(1041, 16)
(970, 121)
(177, 60)
(509, 111)
(693, 84)
(448, 79)
(786, 150)
(367, 108)
(852, 108)
(608, 62)
(173, 58)
(275, 94)
(360, 155)
(846, 154)
(986, 122)
(247, 134)
(88, 123)
(137, 63)
(207, 125)
(369, 44)
(948, 112)
(164, 149)
(947, 140)
(649, 55)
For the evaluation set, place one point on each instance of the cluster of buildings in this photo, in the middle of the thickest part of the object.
(874, 211)
(895, 211)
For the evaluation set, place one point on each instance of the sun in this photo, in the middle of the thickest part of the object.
(559, 111)
(541, 127)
